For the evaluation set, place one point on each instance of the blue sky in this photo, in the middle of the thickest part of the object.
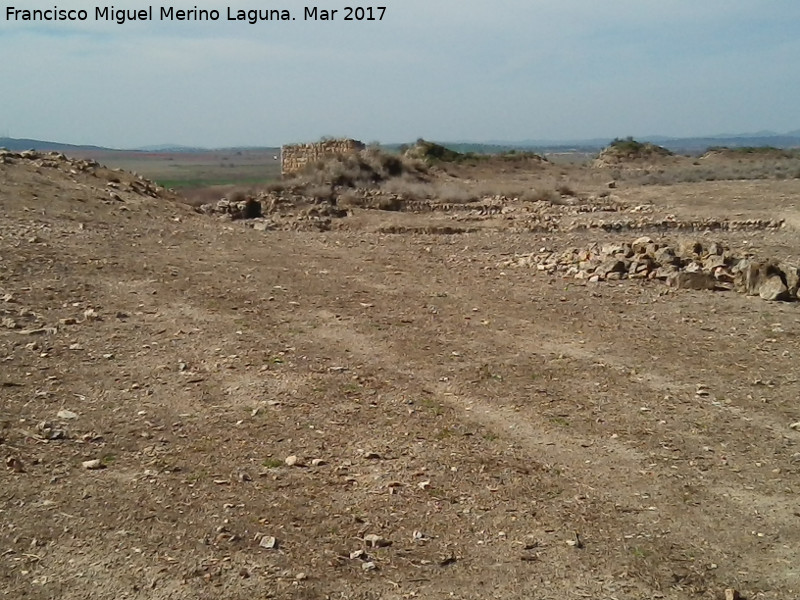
(440, 69)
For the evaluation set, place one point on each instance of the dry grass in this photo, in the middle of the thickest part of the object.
(367, 168)
(713, 170)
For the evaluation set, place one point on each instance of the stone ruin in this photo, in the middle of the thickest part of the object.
(689, 265)
(296, 157)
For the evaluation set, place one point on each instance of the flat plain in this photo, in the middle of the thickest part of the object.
(353, 402)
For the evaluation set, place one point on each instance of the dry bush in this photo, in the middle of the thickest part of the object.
(409, 188)
(449, 191)
(320, 193)
(367, 168)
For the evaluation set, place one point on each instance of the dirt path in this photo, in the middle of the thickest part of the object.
(460, 429)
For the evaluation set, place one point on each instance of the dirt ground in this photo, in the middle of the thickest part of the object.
(353, 414)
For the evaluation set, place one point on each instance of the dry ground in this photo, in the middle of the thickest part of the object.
(475, 431)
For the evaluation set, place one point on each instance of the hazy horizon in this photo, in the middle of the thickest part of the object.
(515, 71)
(489, 143)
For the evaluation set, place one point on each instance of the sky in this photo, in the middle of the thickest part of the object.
(445, 70)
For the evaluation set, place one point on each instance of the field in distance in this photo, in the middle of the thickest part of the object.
(191, 170)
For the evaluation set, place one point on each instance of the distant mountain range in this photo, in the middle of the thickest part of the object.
(18, 145)
(686, 145)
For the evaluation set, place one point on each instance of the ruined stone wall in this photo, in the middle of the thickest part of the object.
(296, 156)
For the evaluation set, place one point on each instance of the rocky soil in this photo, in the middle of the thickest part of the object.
(495, 400)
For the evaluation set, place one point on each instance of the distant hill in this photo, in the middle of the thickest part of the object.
(681, 145)
(699, 145)
(169, 148)
(18, 145)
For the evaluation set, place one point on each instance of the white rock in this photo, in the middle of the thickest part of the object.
(376, 541)
(268, 542)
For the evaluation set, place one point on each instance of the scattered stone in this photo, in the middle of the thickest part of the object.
(67, 415)
(48, 432)
(91, 315)
(689, 265)
(234, 209)
(577, 542)
(612, 265)
(39, 331)
(369, 566)
(15, 464)
(293, 461)
(732, 594)
(795, 426)
(301, 576)
(268, 542)
(92, 465)
(358, 555)
(375, 541)
(318, 462)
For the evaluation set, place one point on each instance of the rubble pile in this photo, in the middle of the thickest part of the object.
(250, 208)
(690, 265)
(52, 160)
(269, 212)
(671, 223)
(117, 179)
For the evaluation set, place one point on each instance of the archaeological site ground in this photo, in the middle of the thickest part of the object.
(402, 375)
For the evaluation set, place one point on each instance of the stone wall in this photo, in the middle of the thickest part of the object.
(295, 157)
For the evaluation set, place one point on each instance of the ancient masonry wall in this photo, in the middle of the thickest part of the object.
(296, 156)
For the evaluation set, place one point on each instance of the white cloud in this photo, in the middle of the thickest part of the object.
(446, 69)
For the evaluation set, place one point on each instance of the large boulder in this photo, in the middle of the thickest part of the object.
(774, 289)
(767, 279)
